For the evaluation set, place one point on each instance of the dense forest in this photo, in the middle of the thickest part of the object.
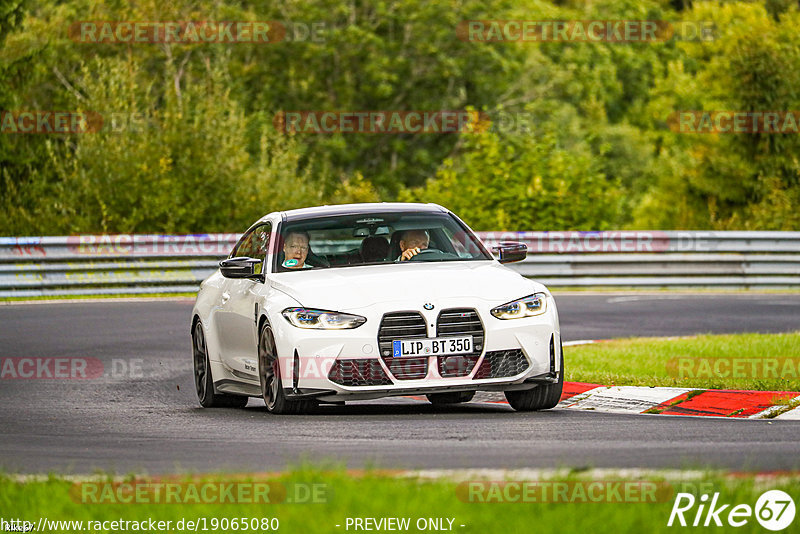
(579, 134)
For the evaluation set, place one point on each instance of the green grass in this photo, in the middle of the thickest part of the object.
(785, 405)
(679, 362)
(377, 495)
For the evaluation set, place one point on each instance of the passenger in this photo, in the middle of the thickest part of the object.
(295, 248)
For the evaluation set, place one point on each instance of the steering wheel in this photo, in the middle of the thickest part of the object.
(426, 254)
(315, 260)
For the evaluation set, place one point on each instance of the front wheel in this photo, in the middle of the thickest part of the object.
(542, 397)
(203, 381)
(269, 373)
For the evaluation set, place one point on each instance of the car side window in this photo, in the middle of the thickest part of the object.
(260, 245)
(255, 244)
(242, 246)
(464, 249)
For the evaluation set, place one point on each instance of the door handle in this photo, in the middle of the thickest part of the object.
(225, 297)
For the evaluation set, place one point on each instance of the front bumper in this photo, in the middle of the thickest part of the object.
(348, 364)
(337, 396)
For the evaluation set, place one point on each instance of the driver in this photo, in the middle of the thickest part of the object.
(411, 242)
(295, 248)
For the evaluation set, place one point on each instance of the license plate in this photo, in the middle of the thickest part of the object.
(431, 347)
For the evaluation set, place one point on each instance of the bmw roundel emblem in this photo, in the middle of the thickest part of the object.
(428, 306)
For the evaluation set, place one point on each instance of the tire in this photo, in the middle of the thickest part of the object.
(452, 397)
(270, 377)
(542, 397)
(203, 381)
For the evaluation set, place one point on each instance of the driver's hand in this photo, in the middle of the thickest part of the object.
(409, 253)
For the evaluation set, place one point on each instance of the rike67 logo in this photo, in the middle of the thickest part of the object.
(774, 510)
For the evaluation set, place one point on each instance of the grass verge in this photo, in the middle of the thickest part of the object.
(765, 362)
(335, 496)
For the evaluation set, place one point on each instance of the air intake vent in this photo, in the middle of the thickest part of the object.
(502, 363)
(459, 322)
(358, 373)
(398, 326)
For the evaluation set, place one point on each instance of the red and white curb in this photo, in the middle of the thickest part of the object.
(682, 401)
(731, 403)
(740, 404)
(737, 404)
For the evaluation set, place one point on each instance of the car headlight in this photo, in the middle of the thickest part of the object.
(322, 319)
(529, 306)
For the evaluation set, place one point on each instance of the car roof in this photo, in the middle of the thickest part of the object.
(355, 209)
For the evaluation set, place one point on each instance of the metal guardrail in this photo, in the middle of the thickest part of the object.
(121, 264)
(109, 264)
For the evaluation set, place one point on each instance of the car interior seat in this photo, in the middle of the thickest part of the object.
(374, 248)
(394, 245)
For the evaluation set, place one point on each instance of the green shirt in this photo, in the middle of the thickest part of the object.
(292, 266)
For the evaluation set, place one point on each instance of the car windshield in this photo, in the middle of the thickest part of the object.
(374, 239)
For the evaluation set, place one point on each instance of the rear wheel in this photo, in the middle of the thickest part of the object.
(203, 381)
(451, 397)
(269, 372)
(541, 397)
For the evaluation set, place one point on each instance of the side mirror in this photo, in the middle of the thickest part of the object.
(241, 267)
(510, 251)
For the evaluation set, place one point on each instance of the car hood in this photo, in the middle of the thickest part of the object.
(350, 288)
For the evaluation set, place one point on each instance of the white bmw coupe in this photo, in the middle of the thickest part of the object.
(361, 301)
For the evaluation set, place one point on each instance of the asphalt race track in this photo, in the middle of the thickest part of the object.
(143, 415)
